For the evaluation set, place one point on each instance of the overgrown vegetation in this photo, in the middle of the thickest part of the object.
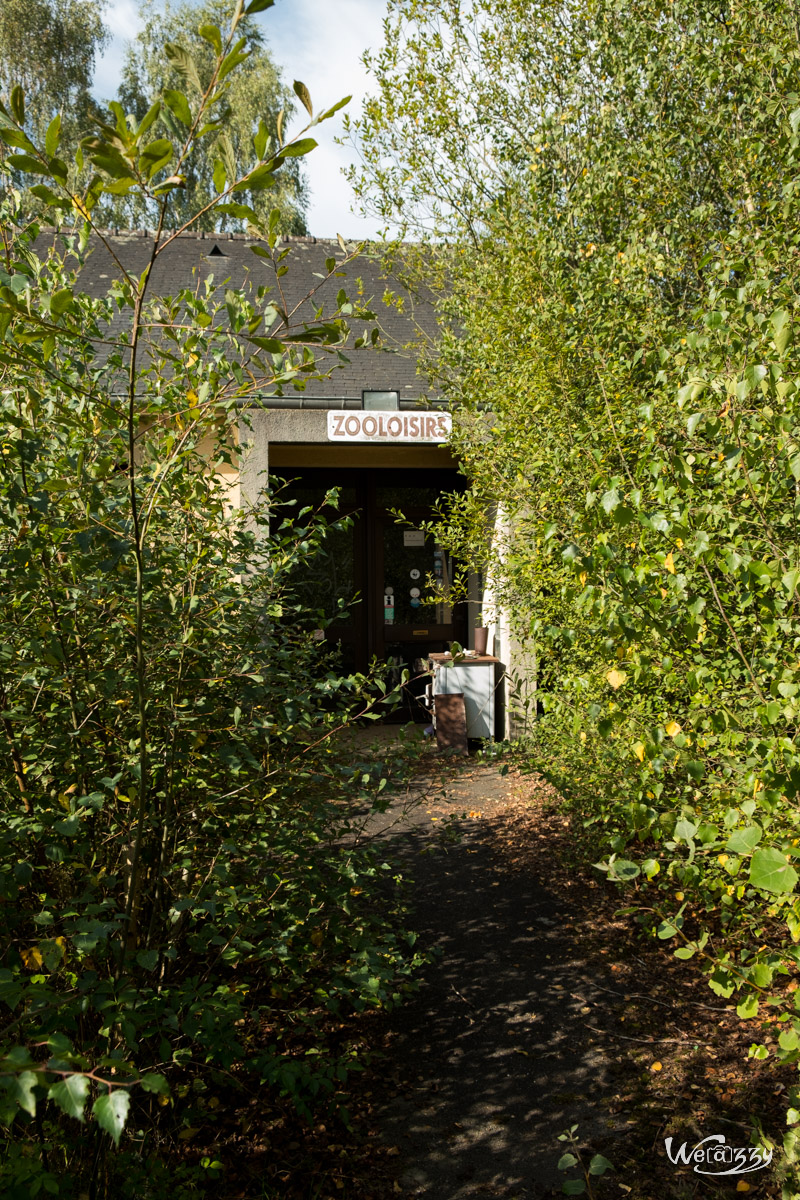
(612, 196)
(181, 900)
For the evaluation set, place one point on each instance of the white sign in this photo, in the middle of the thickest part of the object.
(414, 537)
(389, 426)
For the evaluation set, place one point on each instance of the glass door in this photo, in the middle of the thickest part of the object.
(330, 583)
(409, 620)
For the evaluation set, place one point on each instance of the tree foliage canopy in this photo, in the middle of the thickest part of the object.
(256, 99)
(49, 47)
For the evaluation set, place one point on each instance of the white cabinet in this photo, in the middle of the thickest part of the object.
(480, 679)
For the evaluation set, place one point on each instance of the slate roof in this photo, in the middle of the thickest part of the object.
(229, 258)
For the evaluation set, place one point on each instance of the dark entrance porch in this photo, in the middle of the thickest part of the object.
(379, 565)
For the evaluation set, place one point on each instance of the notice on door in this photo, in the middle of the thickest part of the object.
(389, 427)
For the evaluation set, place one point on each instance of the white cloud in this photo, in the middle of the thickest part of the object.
(322, 43)
(122, 19)
(316, 41)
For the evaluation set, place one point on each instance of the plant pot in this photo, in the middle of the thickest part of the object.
(481, 639)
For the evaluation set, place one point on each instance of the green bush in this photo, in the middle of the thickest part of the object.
(182, 894)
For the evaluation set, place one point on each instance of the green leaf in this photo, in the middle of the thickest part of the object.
(781, 323)
(721, 982)
(26, 162)
(155, 156)
(330, 111)
(260, 139)
(566, 1162)
(747, 1008)
(52, 136)
(238, 210)
(623, 869)
(211, 34)
(744, 841)
(789, 1040)
(220, 177)
(120, 187)
(296, 149)
(573, 1187)
(262, 177)
(182, 60)
(22, 1091)
(111, 1110)
(599, 1165)
(148, 959)
(61, 301)
(156, 1083)
(43, 192)
(789, 580)
(110, 161)
(232, 59)
(17, 104)
(177, 103)
(762, 974)
(301, 91)
(257, 6)
(70, 1095)
(771, 871)
(148, 119)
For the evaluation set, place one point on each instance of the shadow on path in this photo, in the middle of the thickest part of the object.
(491, 1060)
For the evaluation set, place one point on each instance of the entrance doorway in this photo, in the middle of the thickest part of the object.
(371, 580)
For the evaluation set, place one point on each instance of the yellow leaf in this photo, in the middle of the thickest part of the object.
(722, 859)
(669, 565)
(32, 958)
(672, 728)
(316, 937)
(192, 397)
(583, 577)
(638, 750)
(743, 1186)
(616, 678)
(656, 1066)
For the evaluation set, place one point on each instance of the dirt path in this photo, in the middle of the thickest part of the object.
(492, 1058)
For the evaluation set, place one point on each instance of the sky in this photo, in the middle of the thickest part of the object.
(319, 42)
